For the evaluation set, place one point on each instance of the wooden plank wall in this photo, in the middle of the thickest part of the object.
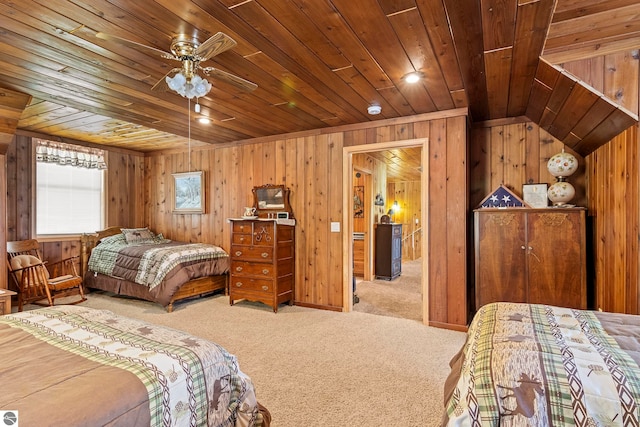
(12, 105)
(613, 185)
(19, 188)
(408, 195)
(4, 278)
(512, 153)
(614, 205)
(311, 166)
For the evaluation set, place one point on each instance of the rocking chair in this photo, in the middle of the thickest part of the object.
(33, 281)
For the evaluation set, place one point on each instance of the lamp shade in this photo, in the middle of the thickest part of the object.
(195, 87)
(561, 192)
(562, 164)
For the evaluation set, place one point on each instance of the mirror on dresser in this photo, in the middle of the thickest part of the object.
(272, 201)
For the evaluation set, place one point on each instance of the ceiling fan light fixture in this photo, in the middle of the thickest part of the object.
(188, 87)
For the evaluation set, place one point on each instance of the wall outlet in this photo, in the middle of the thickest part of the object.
(335, 227)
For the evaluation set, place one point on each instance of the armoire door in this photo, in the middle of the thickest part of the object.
(500, 243)
(556, 257)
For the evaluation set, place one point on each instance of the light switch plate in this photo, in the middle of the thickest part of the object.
(335, 227)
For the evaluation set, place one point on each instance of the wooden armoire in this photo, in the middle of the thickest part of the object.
(388, 251)
(530, 255)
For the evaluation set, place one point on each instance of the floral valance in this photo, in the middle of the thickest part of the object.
(68, 154)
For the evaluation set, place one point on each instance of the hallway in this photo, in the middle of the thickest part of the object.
(401, 297)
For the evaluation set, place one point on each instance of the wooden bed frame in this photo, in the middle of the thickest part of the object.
(194, 288)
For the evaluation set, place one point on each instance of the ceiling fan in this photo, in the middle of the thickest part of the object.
(191, 53)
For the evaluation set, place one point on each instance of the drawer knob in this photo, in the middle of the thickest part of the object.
(242, 239)
(265, 255)
(265, 288)
(238, 284)
(238, 253)
(265, 271)
(238, 268)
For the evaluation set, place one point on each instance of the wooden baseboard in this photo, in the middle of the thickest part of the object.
(451, 326)
(321, 307)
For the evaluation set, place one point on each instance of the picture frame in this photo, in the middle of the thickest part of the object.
(535, 195)
(188, 192)
(358, 201)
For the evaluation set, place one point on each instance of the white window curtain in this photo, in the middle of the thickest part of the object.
(67, 154)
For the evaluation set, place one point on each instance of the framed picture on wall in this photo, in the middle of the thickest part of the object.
(535, 195)
(358, 201)
(188, 192)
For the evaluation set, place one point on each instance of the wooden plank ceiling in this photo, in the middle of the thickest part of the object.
(317, 63)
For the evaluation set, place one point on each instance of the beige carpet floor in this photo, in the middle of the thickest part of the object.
(401, 297)
(319, 368)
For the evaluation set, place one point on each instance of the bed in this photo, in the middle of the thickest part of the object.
(540, 365)
(76, 366)
(138, 263)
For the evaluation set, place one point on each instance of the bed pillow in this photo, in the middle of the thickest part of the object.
(116, 238)
(138, 235)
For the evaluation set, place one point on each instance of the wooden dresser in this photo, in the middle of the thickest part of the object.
(388, 251)
(531, 255)
(262, 261)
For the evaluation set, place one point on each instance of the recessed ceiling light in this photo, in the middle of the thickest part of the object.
(412, 77)
(204, 120)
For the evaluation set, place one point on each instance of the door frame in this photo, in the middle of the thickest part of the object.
(347, 218)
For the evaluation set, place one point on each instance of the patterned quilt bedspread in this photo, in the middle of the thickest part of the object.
(117, 371)
(538, 365)
(148, 264)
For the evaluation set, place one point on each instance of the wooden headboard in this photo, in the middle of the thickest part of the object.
(89, 241)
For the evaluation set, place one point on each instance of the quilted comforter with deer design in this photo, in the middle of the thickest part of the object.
(539, 365)
(77, 366)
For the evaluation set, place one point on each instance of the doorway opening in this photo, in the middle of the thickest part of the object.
(415, 266)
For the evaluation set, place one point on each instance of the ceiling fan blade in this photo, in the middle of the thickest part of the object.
(230, 78)
(110, 37)
(215, 45)
(162, 83)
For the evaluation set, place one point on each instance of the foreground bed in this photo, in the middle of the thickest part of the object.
(76, 366)
(117, 260)
(537, 365)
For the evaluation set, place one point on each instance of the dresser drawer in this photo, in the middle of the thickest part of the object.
(244, 268)
(252, 253)
(241, 239)
(242, 227)
(239, 283)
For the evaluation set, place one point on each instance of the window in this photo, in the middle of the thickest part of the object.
(69, 195)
